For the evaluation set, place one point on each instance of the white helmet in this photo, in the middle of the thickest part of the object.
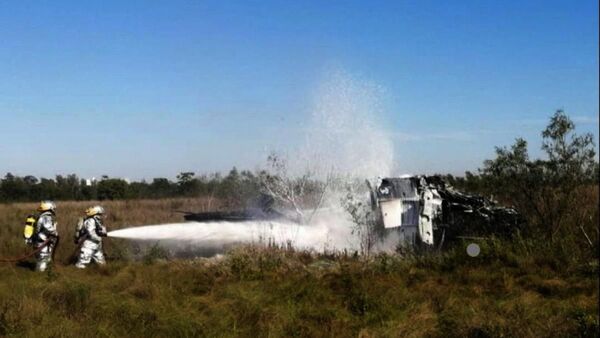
(95, 210)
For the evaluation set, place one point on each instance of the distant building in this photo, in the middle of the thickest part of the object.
(90, 181)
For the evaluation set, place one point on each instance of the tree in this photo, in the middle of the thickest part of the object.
(187, 185)
(47, 189)
(546, 189)
(278, 184)
(88, 192)
(139, 189)
(301, 193)
(570, 156)
(229, 188)
(13, 188)
(570, 167)
(30, 180)
(112, 189)
(161, 187)
(68, 187)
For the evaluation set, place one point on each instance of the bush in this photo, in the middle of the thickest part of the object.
(154, 253)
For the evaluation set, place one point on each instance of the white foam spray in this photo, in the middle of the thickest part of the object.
(321, 235)
(346, 134)
(344, 137)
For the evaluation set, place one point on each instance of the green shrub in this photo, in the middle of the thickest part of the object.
(154, 253)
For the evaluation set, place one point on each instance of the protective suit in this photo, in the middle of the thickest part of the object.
(45, 229)
(91, 231)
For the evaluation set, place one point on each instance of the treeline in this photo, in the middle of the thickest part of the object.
(236, 186)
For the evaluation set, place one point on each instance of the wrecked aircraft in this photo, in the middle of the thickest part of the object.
(427, 210)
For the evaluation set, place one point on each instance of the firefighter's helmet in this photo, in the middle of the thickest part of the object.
(95, 210)
(47, 206)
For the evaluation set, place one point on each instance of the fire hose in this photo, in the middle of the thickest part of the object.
(52, 240)
(38, 249)
(73, 256)
(55, 241)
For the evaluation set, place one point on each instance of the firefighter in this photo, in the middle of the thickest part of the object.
(45, 234)
(89, 235)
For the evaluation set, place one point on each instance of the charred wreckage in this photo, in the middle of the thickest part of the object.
(423, 210)
(427, 210)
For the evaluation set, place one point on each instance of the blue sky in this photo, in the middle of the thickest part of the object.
(143, 89)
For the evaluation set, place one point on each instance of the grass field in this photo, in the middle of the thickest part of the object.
(513, 289)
